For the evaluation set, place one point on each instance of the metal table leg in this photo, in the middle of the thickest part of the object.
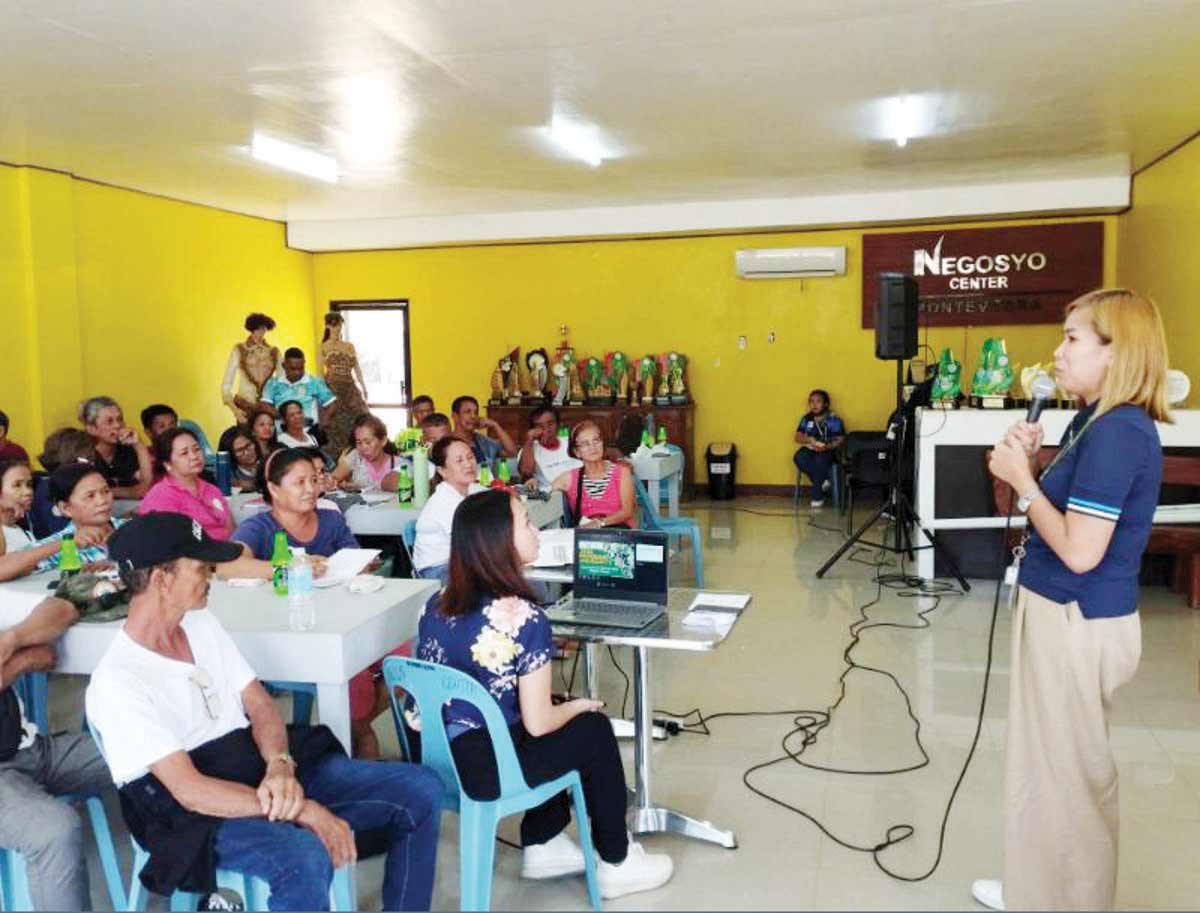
(644, 817)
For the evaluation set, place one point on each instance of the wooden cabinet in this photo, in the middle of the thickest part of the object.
(678, 420)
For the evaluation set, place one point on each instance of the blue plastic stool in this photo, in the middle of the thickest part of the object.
(14, 875)
(674, 526)
(34, 690)
(432, 685)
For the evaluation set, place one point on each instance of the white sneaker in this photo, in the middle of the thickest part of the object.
(556, 857)
(818, 502)
(641, 871)
(988, 892)
(826, 485)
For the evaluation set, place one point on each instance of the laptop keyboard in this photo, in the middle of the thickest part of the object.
(605, 612)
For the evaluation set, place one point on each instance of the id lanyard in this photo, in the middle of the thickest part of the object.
(1013, 570)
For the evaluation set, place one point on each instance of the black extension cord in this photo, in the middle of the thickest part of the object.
(808, 724)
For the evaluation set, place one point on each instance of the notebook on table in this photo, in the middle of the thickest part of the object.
(620, 579)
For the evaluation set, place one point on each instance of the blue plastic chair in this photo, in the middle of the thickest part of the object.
(254, 891)
(673, 526)
(14, 875)
(408, 536)
(33, 690)
(837, 481)
(432, 685)
(303, 695)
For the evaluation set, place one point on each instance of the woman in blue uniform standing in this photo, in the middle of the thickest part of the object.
(820, 433)
(1076, 632)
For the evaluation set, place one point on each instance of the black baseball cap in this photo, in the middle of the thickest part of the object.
(157, 538)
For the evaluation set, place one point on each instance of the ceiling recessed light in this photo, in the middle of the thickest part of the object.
(571, 136)
(294, 158)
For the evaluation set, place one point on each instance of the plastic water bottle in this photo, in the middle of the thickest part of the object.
(485, 476)
(224, 473)
(302, 607)
(662, 435)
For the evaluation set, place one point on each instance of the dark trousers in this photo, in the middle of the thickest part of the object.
(586, 744)
(817, 465)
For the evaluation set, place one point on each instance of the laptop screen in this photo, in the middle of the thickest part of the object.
(621, 564)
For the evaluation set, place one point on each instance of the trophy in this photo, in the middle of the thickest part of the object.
(662, 394)
(617, 368)
(536, 361)
(993, 377)
(676, 366)
(562, 386)
(574, 379)
(948, 385)
(595, 387)
(647, 375)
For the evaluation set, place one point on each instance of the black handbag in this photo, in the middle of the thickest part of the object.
(11, 731)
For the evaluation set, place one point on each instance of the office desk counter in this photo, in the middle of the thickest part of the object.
(667, 633)
(352, 631)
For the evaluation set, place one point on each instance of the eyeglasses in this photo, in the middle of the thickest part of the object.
(589, 442)
(245, 448)
(212, 700)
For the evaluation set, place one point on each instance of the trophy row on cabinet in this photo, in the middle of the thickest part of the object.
(567, 379)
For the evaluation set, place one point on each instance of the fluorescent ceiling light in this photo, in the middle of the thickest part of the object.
(578, 139)
(294, 158)
(904, 117)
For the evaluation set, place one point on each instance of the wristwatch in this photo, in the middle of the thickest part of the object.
(1024, 501)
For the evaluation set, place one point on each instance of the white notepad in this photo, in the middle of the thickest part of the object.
(733, 602)
(344, 564)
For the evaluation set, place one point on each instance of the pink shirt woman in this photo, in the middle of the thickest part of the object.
(182, 491)
(606, 492)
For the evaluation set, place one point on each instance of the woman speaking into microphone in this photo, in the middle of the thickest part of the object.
(1076, 636)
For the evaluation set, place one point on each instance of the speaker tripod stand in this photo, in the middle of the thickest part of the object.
(897, 506)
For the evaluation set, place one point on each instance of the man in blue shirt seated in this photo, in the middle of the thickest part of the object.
(467, 421)
(312, 393)
(209, 775)
(819, 433)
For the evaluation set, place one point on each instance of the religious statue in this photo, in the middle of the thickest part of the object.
(512, 376)
(562, 385)
(948, 385)
(497, 397)
(617, 367)
(994, 376)
(537, 362)
(647, 375)
(251, 364)
(676, 366)
(574, 377)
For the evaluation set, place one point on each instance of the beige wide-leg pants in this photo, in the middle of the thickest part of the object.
(1060, 784)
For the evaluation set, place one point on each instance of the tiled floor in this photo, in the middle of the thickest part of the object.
(786, 654)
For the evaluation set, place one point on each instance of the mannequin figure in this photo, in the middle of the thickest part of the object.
(340, 362)
(251, 364)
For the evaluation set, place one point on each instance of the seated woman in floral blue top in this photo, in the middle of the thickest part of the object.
(487, 623)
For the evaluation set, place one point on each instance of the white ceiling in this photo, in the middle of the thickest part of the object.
(434, 109)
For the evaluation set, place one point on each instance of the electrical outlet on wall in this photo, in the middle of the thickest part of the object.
(771, 336)
(742, 343)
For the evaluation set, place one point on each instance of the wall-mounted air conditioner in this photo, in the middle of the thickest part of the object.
(790, 262)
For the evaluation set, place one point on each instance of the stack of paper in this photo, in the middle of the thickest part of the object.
(344, 564)
(556, 548)
(715, 611)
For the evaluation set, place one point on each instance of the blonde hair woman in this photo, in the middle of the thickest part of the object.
(1076, 632)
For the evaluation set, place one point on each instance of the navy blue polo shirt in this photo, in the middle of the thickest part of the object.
(822, 427)
(1113, 472)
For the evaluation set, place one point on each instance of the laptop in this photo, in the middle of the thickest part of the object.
(620, 579)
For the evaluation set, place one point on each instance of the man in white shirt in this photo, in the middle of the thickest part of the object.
(209, 775)
(544, 456)
(36, 767)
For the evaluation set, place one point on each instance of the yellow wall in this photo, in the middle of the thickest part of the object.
(132, 296)
(1160, 250)
(471, 304)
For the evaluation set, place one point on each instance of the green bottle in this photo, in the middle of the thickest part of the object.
(281, 557)
(69, 563)
(647, 441)
(404, 487)
(502, 471)
(662, 434)
(485, 476)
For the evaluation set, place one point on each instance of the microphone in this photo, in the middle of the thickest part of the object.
(1040, 390)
